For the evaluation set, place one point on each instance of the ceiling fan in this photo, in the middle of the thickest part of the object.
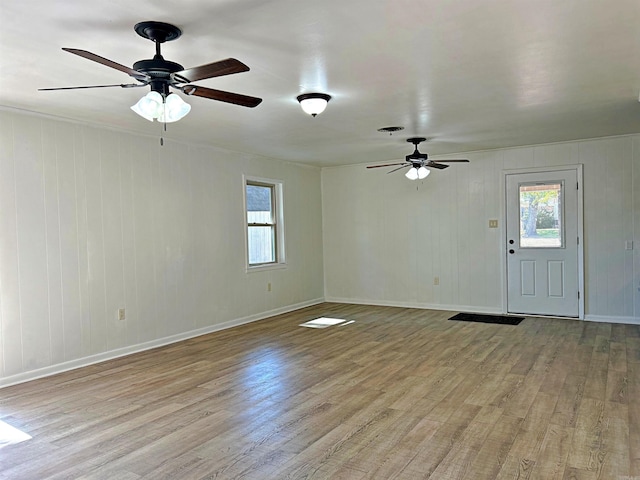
(419, 163)
(163, 75)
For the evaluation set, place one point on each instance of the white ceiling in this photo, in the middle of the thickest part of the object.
(467, 74)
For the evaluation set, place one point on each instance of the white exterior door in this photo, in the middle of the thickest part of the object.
(542, 243)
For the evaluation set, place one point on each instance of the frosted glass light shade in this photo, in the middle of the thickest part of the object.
(412, 174)
(150, 106)
(313, 106)
(166, 110)
(423, 172)
(313, 103)
(174, 109)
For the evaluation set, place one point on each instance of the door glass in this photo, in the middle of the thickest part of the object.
(541, 215)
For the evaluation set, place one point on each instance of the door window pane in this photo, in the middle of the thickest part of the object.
(541, 216)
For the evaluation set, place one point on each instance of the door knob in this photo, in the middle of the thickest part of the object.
(512, 251)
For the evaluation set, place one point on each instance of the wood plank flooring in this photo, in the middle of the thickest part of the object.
(398, 394)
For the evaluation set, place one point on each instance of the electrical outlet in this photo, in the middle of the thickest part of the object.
(493, 223)
(121, 314)
(436, 280)
(269, 287)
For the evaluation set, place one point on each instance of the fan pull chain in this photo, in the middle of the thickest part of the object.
(163, 129)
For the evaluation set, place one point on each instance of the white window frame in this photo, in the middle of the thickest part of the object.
(278, 214)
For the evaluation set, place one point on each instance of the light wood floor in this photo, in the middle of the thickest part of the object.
(399, 394)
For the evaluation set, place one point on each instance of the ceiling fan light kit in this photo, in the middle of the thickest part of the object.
(163, 75)
(313, 103)
(166, 110)
(417, 172)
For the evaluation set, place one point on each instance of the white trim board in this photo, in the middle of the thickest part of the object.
(476, 309)
(423, 306)
(608, 319)
(141, 347)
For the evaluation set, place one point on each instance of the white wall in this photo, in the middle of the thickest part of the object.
(93, 220)
(386, 238)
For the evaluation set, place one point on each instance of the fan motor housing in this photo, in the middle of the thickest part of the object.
(157, 67)
(416, 156)
(159, 70)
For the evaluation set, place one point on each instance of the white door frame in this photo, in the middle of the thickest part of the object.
(503, 229)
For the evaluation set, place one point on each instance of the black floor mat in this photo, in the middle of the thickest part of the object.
(476, 317)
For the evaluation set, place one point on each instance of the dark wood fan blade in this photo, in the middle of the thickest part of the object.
(108, 63)
(123, 85)
(443, 161)
(210, 70)
(388, 165)
(399, 168)
(436, 165)
(222, 96)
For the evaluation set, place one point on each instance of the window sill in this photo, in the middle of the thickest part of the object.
(268, 266)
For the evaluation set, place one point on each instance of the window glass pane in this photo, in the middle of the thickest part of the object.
(541, 216)
(259, 204)
(261, 245)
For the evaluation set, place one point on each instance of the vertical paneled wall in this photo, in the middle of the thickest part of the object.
(387, 238)
(93, 220)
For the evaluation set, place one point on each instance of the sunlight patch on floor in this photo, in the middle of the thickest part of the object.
(10, 435)
(325, 322)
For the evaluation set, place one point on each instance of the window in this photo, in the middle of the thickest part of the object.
(541, 215)
(265, 233)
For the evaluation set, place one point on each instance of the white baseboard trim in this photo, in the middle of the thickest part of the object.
(471, 308)
(424, 306)
(124, 351)
(608, 319)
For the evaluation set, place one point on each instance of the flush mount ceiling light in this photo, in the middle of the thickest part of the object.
(390, 130)
(313, 103)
